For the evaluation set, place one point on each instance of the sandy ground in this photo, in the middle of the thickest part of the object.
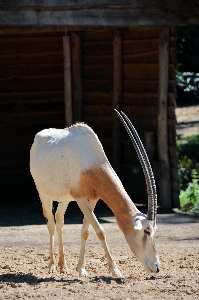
(187, 120)
(24, 253)
(24, 257)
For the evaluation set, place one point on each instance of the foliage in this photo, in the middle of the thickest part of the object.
(188, 48)
(189, 147)
(188, 154)
(187, 76)
(188, 82)
(189, 199)
(187, 79)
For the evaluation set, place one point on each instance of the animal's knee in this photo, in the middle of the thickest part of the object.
(85, 235)
(101, 235)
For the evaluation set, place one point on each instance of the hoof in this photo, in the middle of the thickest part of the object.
(62, 267)
(52, 268)
(115, 271)
(82, 272)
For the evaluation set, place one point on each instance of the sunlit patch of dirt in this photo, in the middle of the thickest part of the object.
(24, 255)
(187, 120)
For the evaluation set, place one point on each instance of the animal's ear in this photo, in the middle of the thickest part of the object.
(137, 221)
(137, 224)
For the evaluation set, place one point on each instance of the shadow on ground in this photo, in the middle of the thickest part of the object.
(21, 213)
(30, 279)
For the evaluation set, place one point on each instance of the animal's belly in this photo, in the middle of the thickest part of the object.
(52, 181)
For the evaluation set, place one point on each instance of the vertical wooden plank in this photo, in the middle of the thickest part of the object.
(149, 143)
(117, 99)
(162, 118)
(173, 153)
(67, 81)
(77, 75)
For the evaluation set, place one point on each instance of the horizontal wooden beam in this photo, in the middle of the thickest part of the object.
(97, 13)
(78, 4)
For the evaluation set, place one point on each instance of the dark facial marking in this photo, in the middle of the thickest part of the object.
(147, 231)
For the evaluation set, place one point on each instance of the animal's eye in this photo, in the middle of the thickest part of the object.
(147, 231)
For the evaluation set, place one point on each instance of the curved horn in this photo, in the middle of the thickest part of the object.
(148, 173)
(153, 204)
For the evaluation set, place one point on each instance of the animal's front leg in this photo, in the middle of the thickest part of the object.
(113, 269)
(47, 212)
(59, 216)
(89, 214)
(84, 236)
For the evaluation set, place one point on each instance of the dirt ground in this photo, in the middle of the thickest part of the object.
(24, 253)
(187, 120)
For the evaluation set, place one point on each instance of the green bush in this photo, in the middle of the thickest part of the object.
(188, 82)
(188, 154)
(189, 199)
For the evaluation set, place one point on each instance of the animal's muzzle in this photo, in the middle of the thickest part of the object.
(152, 267)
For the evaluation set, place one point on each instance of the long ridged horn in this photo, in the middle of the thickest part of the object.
(153, 199)
(148, 173)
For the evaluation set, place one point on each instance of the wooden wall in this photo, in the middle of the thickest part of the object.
(139, 99)
(31, 98)
(97, 60)
(140, 81)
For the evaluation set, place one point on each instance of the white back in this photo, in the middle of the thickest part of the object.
(59, 156)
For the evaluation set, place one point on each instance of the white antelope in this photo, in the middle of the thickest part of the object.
(70, 164)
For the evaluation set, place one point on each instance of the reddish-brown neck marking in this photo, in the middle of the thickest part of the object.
(101, 182)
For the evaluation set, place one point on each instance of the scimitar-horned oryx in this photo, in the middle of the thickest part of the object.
(70, 164)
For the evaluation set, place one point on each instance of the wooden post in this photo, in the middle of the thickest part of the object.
(77, 76)
(67, 81)
(117, 99)
(162, 118)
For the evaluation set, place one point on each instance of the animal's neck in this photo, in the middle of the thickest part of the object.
(112, 192)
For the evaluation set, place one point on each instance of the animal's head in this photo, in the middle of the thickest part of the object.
(141, 238)
(141, 241)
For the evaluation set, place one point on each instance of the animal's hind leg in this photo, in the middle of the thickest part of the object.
(47, 212)
(59, 217)
(84, 236)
